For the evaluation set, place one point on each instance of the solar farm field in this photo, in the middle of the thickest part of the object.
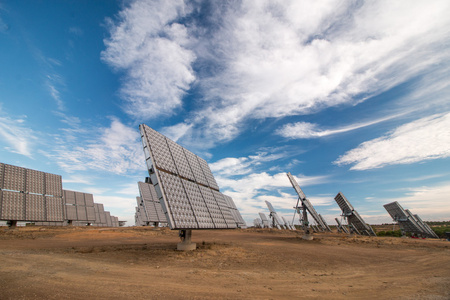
(141, 263)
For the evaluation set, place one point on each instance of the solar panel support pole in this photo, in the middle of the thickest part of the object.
(186, 244)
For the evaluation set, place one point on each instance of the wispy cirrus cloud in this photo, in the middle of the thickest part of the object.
(424, 139)
(115, 149)
(15, 136)
(305, 130)
(151, 48)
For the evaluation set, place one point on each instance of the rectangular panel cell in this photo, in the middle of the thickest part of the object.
(35, 182)
(53, 185)
(54, 209)
(89, 199)
(198, 204)
(35, 208)
(90, 213)
(177, 201)
(69, 197)
(213, 207)
(79, 198)
(224, 209)
(159, 150)
(103, 218)
(196, 167)
(14, 178)
(13, 206)
(181, 162)
(159, 211)
(71, 212)
(208, 174)
(81, 213)
(108, 219)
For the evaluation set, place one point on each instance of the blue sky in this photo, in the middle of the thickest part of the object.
(349, 96)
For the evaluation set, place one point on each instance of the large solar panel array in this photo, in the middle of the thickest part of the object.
(79, 206)
(407, 221)
(235, 212)
(310, 208)
(30, 195)
(35, 196)
(185, 185)
(352, 216)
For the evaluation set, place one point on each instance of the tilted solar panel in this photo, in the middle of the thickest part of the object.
(186, 188)
(399, 215)
(352, 216)
(264, 219)
(306, 202)
(278, 222)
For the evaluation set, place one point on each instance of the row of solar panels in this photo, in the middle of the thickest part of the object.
(35, 196)
(409, 222)
(185, 187)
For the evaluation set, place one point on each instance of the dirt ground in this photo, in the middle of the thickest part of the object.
(141, 263)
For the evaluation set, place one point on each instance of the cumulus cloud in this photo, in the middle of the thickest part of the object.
(424, 139)
(150, 47)
(305, 130)
(17, 137)
(116, 149)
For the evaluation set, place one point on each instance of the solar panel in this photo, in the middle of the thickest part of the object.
(235, 212)
(340, 227)
(264, 220)
(150, 203)
(35, 208)
(2, 171)
(307, 203)
(35, 182)
(426, 227)
(352, 216)
(53, 185)
(257, 222)
(286, 223)
(54, 209)
(186, 188)
(14, 178)
(398, 214)
(275, 218)
(13, 206)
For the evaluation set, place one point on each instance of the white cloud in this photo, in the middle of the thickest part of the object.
(148, 44)
(424, 139)
(116, 149)
(265, 59)
(305, 130)
(16, 137)
(231, 166)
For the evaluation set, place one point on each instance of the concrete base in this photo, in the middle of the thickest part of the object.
(186, 247)
(308, 237)
(186, 244)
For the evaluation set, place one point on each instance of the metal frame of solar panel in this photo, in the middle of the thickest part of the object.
(352, 216)
(406, 223)
(185, 186)
(426, 227)
(276, 220)
(305, 201)
(341, 227)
